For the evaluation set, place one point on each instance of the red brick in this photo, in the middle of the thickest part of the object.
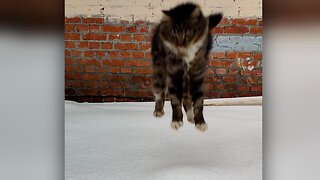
(145, 46)
(67, 53)
(88, 53)
(125, 37)
(117, 78)
(138, 55)
(256, 88)
(231, 87)
(72, 20)
(113, 28)
(81, 28)
(257, 56)
(107, 92)
(94, 37)
(221, 71)
(126, 70)
(138, 63)
(77, 69)
(76, 53)
(72, 76)
(236, 30)
(139, 37)
(69, 44)
(142, 70)
(113, 54)
(83, 44)
(233, 71)
(90, 68)
(222, 63)
(140, 79)
(244, 54)
(68, 61)
(217, 30)
(106, 45)
(219, 87)
(103, 70)
(132, 29)
(114, 62)
(244, 21)
(100, 53)
(217, 55)
(245, 72)
(231, 55)
(114, 69)
(72, 36)
(94, 28)
(228, 95)
(125, 54)
(244, 88)
(92, 20)
(257, 73)
(89, 62)
(114, 37)
(69, 27)
(126, 46)
(148, 55)
(144, 29)
(256, 30)
(229, 79)
(94, 45)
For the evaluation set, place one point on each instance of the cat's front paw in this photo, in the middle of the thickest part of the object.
(176, 124)
(158, 113)
(202, 127)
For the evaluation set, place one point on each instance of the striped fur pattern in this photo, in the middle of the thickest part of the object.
(180, 47)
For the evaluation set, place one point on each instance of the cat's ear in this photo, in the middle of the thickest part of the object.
(196, 12)
(166, 15)
(214, 20)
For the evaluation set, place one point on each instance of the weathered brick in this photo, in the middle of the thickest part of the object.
(139, 37)
(72, 36)
(72, 20)
(81, 28)
(137, 54)
(256, 30)
(236, 30)
(126, 46)
(69, 44)
(94, 37)
(94, 45)
(125, 37)
(92, 20)
(106, 45)
(113, 28)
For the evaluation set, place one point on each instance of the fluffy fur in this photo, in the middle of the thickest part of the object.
(180, 47)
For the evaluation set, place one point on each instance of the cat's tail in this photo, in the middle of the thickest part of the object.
(214, 19)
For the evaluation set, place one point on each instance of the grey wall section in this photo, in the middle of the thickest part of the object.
(237, 43)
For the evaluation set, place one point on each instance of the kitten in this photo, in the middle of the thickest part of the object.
(180, 47)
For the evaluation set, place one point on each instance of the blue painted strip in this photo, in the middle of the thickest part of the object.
(237, 43)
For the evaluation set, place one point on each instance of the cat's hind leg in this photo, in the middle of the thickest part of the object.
(188, 108)
(197, 94)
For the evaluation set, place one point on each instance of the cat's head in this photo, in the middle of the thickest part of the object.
(186, 23)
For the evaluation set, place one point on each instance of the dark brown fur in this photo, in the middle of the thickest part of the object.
(180, 48)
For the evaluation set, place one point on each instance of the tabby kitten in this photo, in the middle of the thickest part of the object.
(180, 47)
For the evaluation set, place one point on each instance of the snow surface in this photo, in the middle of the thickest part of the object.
(117, 141)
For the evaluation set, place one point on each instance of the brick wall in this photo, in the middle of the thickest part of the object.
(109, 60)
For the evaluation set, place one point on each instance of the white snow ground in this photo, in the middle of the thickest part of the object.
(117, 141)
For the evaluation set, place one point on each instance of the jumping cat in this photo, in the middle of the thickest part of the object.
(180, 47)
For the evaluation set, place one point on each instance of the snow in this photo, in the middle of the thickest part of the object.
(120, 141)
